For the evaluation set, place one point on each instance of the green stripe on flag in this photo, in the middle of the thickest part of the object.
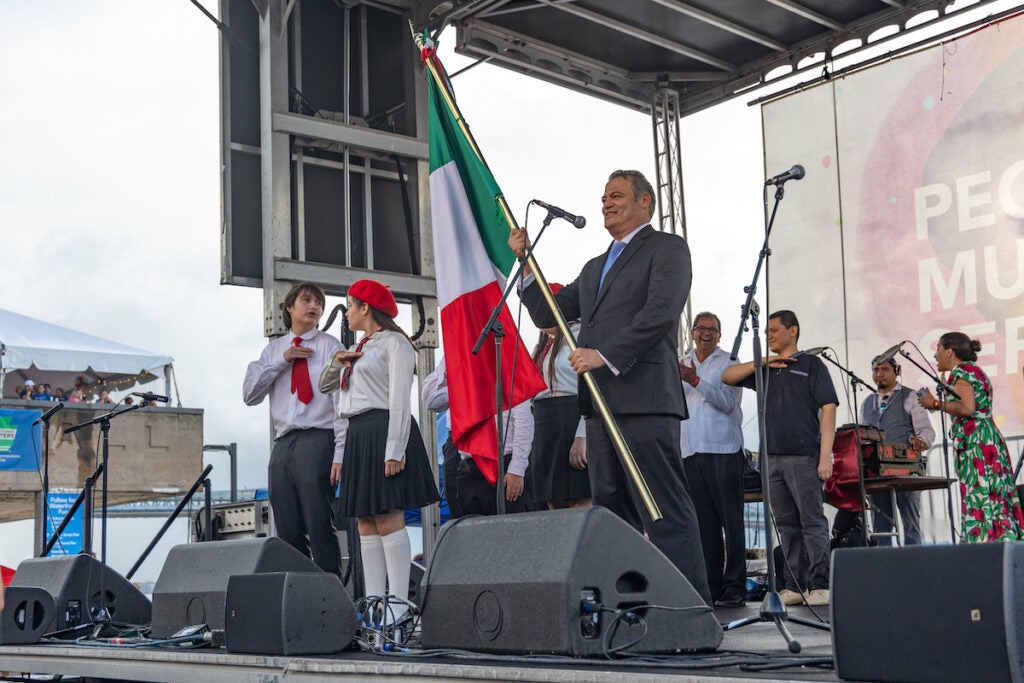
(447, 144)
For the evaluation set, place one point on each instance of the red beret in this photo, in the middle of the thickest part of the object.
(376, 295)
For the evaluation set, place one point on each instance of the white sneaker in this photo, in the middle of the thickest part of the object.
(818, 597)
(791, 597)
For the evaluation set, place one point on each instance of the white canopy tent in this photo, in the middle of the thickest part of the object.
(61, 357)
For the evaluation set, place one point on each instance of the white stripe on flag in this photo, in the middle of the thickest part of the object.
(460, 260)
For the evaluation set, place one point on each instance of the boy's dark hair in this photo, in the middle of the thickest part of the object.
(295, 292)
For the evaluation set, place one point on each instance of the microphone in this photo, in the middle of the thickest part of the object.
(49, 413)
(795, 173)
(577, 221)
(146, 396)
(889, 353)
(816, 351)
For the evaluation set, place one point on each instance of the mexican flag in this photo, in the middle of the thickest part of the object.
(471, 259)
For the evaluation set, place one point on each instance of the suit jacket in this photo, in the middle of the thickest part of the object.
(633, 321)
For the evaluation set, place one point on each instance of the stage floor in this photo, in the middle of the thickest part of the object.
(759, 642)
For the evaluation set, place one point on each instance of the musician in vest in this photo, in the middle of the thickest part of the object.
(895, 410)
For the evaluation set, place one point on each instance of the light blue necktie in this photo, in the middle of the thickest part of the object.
(617, 248)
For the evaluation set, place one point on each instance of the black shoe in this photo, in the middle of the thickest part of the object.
(730, 602)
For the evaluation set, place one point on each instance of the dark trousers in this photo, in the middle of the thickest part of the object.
(450, 477)
(654, 441)
(798, 506)
(477, 496)
(300, 494)
(716, 487)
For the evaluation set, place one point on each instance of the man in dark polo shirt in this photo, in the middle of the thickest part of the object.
(800, 416)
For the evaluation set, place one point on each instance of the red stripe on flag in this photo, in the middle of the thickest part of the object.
(471, 379)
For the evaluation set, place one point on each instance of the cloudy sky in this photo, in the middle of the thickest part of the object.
(109, 189)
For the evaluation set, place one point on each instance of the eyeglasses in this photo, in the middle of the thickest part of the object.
(701, 328)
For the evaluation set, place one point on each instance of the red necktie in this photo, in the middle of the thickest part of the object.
(347, 372)
(301, 386)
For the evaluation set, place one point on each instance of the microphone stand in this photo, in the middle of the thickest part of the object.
(45, 419)
(102, 625)
(494, 326)
(201, 481)
(772, 609)
(855, 382)
(942, 389)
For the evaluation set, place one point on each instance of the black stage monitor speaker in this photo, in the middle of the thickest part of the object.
(929, 613)
(416, 570)
(288, 613)
(28, 613)
(74, 583)
(533, 582)
(194, 579)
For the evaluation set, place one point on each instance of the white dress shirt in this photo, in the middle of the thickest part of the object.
(716, 420)
(272, 374)
(518, 421)
(381, 379)
(435, 389)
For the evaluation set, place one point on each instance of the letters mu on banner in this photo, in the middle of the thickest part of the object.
(910, 221)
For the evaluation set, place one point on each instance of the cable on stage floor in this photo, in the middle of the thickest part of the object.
(191, 637)
(387, 623)
(751, 661)
(383, 643)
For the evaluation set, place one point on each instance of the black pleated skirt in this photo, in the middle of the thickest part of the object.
(365, 490)
(552, 478)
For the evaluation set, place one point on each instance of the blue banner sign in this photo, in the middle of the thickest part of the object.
(20, 442)
(70, 541)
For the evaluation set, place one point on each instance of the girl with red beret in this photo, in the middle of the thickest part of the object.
(380, 458)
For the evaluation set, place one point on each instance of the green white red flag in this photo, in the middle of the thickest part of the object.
(471, 258)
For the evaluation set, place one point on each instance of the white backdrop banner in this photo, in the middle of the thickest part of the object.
(910, 221)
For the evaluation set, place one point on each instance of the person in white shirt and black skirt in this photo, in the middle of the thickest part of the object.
(558, 462)
(380, 458)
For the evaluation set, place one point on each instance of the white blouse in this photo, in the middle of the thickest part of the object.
(565, 381)
(381, 379)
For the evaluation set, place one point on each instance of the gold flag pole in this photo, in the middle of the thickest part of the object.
(621, 447)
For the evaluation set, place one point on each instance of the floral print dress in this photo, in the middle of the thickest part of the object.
(989, 507)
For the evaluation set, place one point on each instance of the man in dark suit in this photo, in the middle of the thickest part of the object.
(629, 301)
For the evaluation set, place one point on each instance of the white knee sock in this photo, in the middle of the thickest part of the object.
(374, 564)
(399, 556)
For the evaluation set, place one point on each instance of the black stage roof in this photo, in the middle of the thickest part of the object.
(707, 50)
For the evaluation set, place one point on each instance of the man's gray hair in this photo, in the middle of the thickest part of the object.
(640, 185)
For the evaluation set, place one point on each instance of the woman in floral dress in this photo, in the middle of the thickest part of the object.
(989, 508)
